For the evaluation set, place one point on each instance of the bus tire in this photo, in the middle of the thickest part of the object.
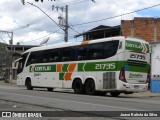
(115, 94)
(90, 87)
(28, 84)
(50, 89)
(78, 86)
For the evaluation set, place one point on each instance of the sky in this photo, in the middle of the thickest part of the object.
(30, 26)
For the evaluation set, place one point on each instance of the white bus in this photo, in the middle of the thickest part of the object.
(115, 65)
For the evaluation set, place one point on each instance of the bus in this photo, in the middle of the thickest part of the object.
(110, 65)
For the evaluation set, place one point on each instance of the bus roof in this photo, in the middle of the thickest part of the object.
(68, 44)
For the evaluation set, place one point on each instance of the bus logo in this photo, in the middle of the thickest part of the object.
(32, 68)
(137, 46)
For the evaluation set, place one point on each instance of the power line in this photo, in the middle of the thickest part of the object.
(116, 15)
(75, 2)
(27, 27)
(40, 18)
(43, 17)
(74, 30)
(106, 18)
(41, 37)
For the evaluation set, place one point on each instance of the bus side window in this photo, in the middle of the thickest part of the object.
(31, 59)
(80, 57)
(36, 57)
(66, 54)
(97, 55)
(45, 60)
(83, 52)
(56, 59)
(110, 48)
(45, 56)
(96, 51)
(54, 55)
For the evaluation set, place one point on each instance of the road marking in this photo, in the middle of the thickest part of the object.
(75, 102)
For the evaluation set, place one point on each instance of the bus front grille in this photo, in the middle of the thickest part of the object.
(136, 63)
(109, 80)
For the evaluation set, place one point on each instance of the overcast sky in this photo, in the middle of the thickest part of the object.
(31, 26)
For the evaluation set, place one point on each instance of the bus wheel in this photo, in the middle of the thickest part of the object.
(28, 85)
(115, 94)
(90, 87)
(78, 86)
(50, 89)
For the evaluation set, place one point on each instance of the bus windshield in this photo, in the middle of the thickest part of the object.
(21, 63)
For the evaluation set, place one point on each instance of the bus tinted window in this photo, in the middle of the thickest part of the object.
(83, 52)
(110, 48)
(24, 56)
(21, 63)
(54, 55)
(46, 56)
(96, 51)
(35, 57)
(66, 54)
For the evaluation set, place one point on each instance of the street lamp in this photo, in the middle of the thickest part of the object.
(66, 31)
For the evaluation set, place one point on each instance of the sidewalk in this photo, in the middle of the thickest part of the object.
(14, 82)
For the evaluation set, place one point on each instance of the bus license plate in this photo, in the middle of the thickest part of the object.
(136, 86)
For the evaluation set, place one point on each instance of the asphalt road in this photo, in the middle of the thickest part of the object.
(67, 100)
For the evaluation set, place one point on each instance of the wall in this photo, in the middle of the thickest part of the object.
(146, 28)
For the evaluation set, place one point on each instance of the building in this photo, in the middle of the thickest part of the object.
(141, 27)
(8, 54)
(17, 50)
(101, 32)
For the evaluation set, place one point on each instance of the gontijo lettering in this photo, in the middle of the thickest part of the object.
(42, 68)
(134, 45)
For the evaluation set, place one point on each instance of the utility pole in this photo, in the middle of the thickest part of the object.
(66, 26)
(11, 71)
(63, 27)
